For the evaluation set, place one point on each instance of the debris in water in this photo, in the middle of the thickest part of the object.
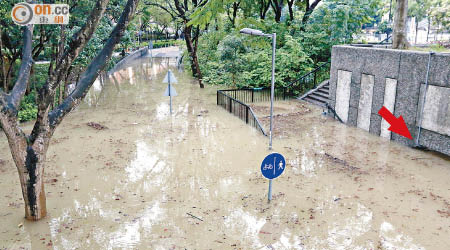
(445, 214)
(51, 180)
(96, 125)
(193, 216)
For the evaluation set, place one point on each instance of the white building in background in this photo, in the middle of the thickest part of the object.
(369, 35)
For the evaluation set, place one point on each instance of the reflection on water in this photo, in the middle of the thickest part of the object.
(144, 164)
(247, 224)
(343, 231)
(191, 180)
(392, 239)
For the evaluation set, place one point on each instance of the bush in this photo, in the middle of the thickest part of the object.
(28, 108)
(163, 43)
(232, 59)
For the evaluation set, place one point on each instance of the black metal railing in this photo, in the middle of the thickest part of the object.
(333, 111)
(293, 89)
(234, 100)
(238, 108)
(308, 81)
(387, 40)
(250, 95)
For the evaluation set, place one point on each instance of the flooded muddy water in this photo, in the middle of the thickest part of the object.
(192, 180)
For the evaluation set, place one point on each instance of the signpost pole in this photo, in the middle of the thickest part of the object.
(170, 91)
(170, 95)
(272, 166)
(272, 89)
(270, 190)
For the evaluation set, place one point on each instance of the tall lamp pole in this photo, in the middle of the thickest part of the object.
(254, 32)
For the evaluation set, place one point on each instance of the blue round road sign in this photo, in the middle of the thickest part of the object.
(273, 165)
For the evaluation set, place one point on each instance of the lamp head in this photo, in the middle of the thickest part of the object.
(252, 32)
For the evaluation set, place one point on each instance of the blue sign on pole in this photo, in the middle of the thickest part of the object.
(273, 166)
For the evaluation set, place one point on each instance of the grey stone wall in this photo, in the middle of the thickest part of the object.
(136, 54)
(404, 72)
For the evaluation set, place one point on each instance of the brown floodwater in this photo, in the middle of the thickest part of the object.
(192, 180)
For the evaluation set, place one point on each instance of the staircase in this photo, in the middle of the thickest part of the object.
(318, 96)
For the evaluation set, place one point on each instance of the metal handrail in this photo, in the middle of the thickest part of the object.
(385, 40)
(250, 95)
(334, 112)
(248, 108)
(307, 74)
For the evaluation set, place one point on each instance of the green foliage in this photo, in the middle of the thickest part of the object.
(385, 27)
(441, 14)
(419, 9)
(28, 106)
(339, 20)
(162, 44)
(435, 47)
(28, 109)
(229, 50)
(227, 57)
(246, 61)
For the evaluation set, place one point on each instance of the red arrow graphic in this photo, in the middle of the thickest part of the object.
(398, 125)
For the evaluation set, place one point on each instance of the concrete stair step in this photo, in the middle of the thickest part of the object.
(323, 92)
(314, 101)
(319, 95)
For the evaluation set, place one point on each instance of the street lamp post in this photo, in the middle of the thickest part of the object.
(254, 32)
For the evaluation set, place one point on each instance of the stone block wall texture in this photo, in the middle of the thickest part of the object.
(363, 79)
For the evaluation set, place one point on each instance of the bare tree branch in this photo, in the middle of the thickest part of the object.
(171, 13)
(24, 72)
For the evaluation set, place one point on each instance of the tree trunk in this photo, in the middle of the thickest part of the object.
(291, 10)
(399, 40)
(308, 11)
(232, 15)
(192, 54)
(29, 152)
(30, 166)
(263, 8)
(417, 28)
(32, 183)
(29, 158)
(429, 26)
(277, 6)
(277, 16)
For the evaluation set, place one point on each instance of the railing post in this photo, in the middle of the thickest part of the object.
(218, 97)
(230, 105)
(246, 115)
(315, 79)
(253, 90)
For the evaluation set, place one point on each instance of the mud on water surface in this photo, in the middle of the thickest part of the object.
(146, 180)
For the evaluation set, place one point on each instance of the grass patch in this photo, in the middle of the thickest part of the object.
(435, 48)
